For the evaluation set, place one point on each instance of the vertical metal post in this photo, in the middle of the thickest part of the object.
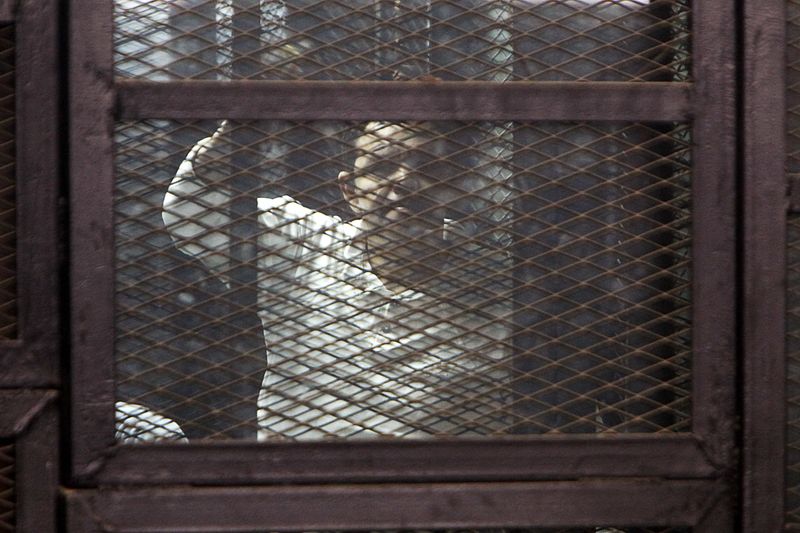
(766, 102)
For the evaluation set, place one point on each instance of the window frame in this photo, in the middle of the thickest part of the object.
(705, 457)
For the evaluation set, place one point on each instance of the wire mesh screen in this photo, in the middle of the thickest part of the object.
(793, 374)
(335, 280)
(500, 40)
(8, 213)
(7, 488)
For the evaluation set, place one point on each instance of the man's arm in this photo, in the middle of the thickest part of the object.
(197, 210)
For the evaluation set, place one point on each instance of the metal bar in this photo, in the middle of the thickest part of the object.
(32, 359)
(410, 506)
(714, 195)
(413, 100)
(765, 202)
(91, 232)
(550, 457)
(8, 9)
(37, 469)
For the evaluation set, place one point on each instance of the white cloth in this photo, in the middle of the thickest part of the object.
(136, 423)
(348, 358)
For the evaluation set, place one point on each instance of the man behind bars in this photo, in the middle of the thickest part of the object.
(396, 323)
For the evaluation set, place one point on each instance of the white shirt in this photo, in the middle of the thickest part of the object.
(348, 358)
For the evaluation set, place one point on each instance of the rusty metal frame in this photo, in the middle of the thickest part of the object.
(29, 416)
(32, 359)
(645, 503)
(764, 314)
(454, 100)
(29, 419)
(702, 460)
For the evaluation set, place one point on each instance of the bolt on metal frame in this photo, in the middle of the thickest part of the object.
(520, 481)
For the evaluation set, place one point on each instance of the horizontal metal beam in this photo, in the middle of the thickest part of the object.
(408, 506)
(547, 457)
(311, 100)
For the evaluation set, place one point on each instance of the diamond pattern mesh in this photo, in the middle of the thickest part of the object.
(793, 373)
(408, 280)
(500, 40)
(793, 269)
(7, 490)
(8, 214)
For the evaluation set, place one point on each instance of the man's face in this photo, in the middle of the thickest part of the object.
(403, 189)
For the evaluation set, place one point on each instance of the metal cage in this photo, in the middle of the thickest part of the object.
(603, 138)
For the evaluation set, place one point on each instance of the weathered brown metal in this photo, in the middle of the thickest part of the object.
(763, 307)
(32, 359)
(91, 233)
(8, 11)
(413, 100)
(552, 457)
(37, 472)
(650, 502)
(714, 229)
(29, 419)
(409, 506)
(20, 408)
(30, 362)
(719, 516)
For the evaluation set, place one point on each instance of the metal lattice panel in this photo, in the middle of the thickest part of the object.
(501, 40)
(793, 269)
(793, 373)
(793, 86)
(511, 279)
(7, 489)
(8, 213)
